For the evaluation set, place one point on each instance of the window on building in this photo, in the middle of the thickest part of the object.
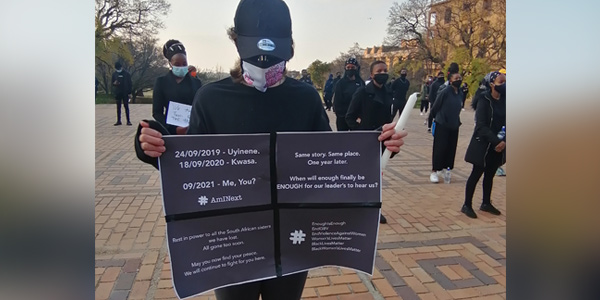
(432, 19)
(448, 15)
(487, 4)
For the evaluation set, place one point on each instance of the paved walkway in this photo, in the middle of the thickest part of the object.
(428, 249)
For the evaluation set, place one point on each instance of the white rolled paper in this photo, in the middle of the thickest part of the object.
(400, 125)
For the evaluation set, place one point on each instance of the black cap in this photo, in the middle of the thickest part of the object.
(263, 27)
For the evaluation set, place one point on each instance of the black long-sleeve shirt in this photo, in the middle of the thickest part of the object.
(400, 88)
(433, 90)
(342, 95)
(166, 89)
(225, 107)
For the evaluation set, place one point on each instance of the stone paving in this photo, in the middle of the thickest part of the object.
(428, 249)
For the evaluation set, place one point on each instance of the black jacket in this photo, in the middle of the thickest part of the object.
(166, 89)
(372, 105)
(342, 95)
(400, 88)
(447, 107)
(433, 90)
(485, 136)
(121, 82)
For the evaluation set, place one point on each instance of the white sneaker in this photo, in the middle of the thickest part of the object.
(434, 177)
(463, 109)
(421, 113)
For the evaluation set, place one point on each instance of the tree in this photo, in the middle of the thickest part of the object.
(147, 64)
(409, 21)
(318, 71)
(134, 17)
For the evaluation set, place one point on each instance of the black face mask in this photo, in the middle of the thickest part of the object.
(440, 78)
(350, 73)
(500, 88)
(457, 83)
(338, 77)
(381, 78)
(402, 76)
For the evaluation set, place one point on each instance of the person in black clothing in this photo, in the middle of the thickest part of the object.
(400, 88)
(177, 86)
(446, 111)
(328, 92)
(306, 77)
(372, 104)
(486, 150)
(343, 92)
(257, 98)
(121, 80)
(433, 90)
(425, 94)
(337, 78)
(465, 90)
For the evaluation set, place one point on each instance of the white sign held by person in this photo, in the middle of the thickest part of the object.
(178, 114)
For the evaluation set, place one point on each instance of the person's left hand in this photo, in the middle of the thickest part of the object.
(393, 140)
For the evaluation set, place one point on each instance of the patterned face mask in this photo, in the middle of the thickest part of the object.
(261, 78)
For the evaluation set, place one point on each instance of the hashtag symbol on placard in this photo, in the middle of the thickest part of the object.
(297, 237)
(202, 200)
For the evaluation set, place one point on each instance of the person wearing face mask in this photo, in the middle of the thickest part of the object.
(446, 111)
(344, 90)
(178, 85)
(372, 104)
(487, 151)
(425, 94)
(121, 81)
(433, 90)
(400, 88)
(258, 97)
(305, 77)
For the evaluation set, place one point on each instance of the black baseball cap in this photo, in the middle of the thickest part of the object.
(263, 27)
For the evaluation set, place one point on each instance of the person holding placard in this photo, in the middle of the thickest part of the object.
(174, 92)
(257, 98)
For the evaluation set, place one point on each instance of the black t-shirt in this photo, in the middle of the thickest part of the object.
(226, 107)
(166, 89)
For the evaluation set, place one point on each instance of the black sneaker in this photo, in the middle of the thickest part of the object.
(428, 129)
(490, 208)
(382, 219)
(128, 123)
(468, 211)
(118, 123)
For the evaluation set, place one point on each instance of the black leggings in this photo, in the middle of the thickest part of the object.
(488, 180)
(288, 287)
(424, 105)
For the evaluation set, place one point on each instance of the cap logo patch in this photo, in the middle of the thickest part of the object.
(266, 45)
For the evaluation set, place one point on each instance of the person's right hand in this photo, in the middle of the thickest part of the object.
(151, 141)
(500, 146)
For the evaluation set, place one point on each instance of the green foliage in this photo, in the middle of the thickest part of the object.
(318, 72)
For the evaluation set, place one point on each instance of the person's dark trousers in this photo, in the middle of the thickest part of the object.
(283, 288)
(398, 107)
(424, 105)
(463, 104)
(328, 103)
(444, 147)
(493, 161)
(125, 100)
(430, 121)
(340, 124)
